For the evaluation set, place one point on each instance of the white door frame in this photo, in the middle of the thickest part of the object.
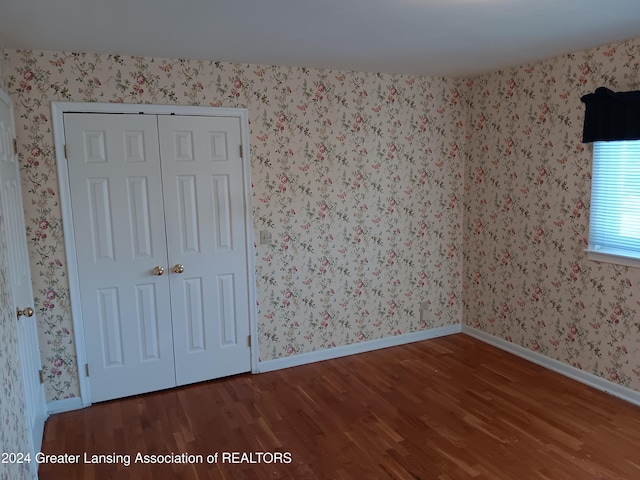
(58, 109)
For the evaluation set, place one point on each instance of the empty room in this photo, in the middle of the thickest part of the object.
(319, 240)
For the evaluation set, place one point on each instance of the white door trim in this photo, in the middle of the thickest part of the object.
(58, 109)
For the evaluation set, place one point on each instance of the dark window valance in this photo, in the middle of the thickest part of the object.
(611, 116)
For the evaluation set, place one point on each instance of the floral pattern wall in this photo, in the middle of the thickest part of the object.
(361, 178)
(358, 176)
(527, 278)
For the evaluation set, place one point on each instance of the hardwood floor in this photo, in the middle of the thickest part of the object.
(448, 408)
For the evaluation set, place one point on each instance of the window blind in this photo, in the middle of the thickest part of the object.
(615, 199)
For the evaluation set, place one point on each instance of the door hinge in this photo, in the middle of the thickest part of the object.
(241, 152)
(248, 340)
(86, 369)
(15, 146)
(41, 375)
(66, 151)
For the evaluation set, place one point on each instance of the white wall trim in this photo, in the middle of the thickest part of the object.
(133, 108)
(581, 376)
(57, 112)
(64, 405)
(58, 109)
(599, 383)
(354, 348)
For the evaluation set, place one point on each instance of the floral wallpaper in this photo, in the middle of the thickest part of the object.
(13, 426)
(527, 278)
(358, 176)
(381, 192)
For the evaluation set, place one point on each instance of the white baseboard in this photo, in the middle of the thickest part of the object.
(581, 376)
(344, 350)
(64, 405)
(599, 383)
(69, 404)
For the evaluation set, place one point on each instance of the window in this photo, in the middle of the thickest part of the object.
(614, 230)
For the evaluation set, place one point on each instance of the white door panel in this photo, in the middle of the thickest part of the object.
(204, 210)
(116, 195)
(159, 191)
(20, 278)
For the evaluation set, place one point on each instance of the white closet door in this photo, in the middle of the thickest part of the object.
(203, 183)
(20, 278)
(117, 205)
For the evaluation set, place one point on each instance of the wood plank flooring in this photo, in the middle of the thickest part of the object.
(448, 408)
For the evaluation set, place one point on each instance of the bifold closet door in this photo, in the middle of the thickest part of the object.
(160, 234)
(203, 186)
(118, 218)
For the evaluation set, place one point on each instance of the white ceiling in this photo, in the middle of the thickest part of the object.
(428, 37)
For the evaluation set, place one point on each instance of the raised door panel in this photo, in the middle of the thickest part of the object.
(118, 217)
(203, 182)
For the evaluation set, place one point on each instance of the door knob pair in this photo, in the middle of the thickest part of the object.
(26, 312)
(177, 268)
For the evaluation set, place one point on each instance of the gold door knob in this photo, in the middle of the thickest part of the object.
(158, 270)
(178, 268)
(27, 312)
